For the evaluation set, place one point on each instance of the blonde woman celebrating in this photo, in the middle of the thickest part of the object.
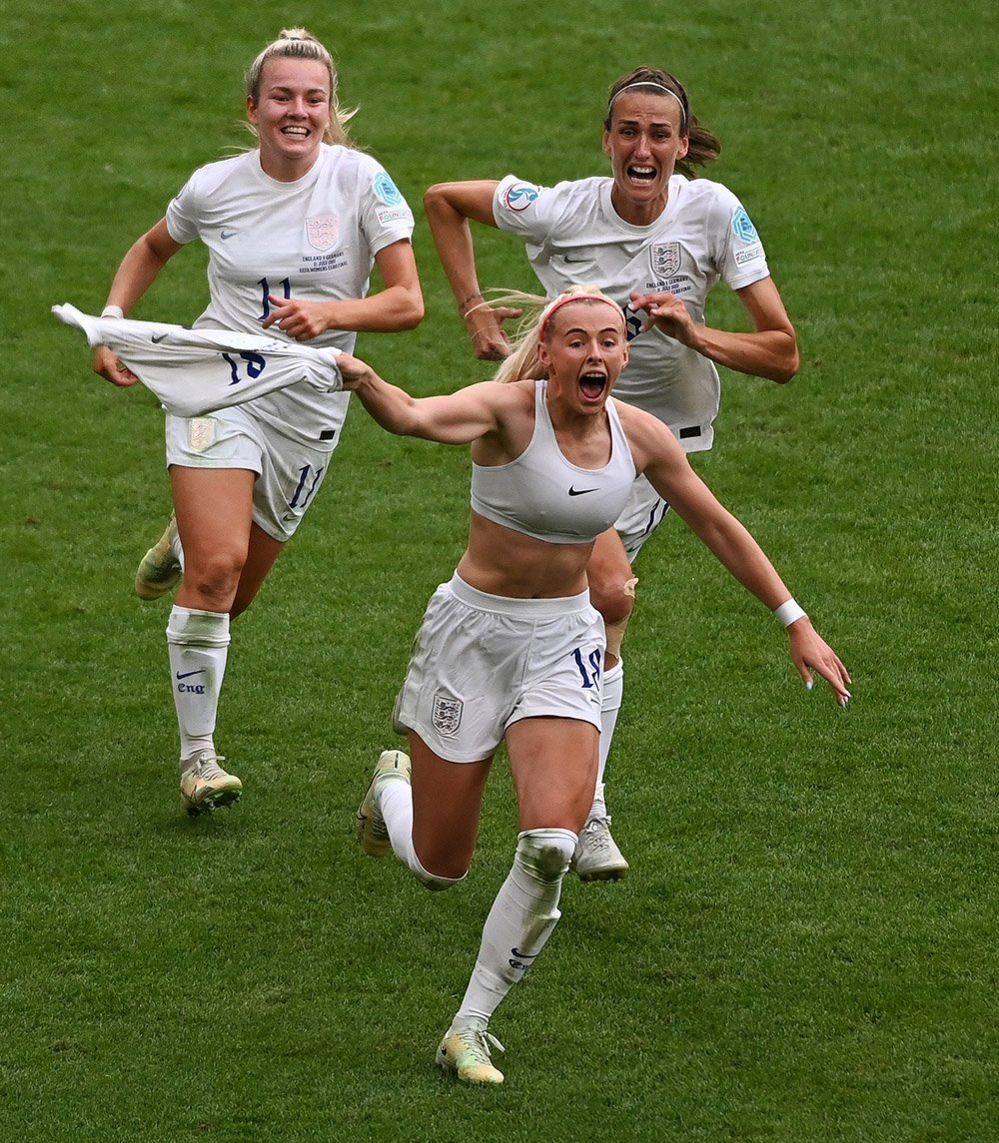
(293, 229)
(510, 649)
(658, 241)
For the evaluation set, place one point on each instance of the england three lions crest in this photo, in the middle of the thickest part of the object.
(665, 258)
(446, 715)
(322, 231)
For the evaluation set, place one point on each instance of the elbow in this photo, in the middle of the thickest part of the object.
(788, 365)
(434, 198)
(412, 313)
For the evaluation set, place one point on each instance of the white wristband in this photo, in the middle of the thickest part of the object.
(790, 611)
(112, 312)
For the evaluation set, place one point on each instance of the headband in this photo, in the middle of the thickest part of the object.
(659, 87)
(573, 298)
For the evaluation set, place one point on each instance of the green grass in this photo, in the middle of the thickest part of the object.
(805, 949)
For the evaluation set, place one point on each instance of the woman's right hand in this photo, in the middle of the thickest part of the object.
(353, 370)
(110, 366)
(485, 329)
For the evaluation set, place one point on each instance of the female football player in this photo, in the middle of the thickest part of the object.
(293, 228)
(510, 648)
(657, 242)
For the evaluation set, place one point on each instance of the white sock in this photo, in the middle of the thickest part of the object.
(520, 922)
(395, 803)
(198, 644)
(609, 709)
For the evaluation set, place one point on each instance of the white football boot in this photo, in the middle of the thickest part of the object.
(597, 857)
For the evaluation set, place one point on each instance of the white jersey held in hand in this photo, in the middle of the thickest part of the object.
(196, 371)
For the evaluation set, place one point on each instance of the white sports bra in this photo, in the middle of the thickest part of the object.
(541, 494)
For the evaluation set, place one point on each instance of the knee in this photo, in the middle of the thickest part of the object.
(440, 870)
(546, 853)
(614, 598)
(215, 575)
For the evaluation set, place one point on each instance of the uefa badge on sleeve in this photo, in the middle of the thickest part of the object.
(446, 716)
(742, 226)
(520, 196)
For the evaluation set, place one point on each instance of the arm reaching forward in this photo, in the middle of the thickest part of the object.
(667, 469)
(451, 418)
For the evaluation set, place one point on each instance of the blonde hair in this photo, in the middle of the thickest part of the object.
(524, 362)
(297, 43)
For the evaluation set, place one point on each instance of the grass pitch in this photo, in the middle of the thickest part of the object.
(805, 949)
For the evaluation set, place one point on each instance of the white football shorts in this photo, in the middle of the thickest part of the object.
(483, 662)
(643, 513)
(289, 473)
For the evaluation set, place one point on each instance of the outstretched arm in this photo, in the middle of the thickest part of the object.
(451, 418)
(137, 272)
(448, 207)
(672, 477)
(770, 351)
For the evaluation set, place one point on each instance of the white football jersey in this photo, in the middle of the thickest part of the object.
(574, 236)
(198, 371)
(315, 239)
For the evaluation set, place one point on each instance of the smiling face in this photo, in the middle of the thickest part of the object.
(291, 115)
(644, 141)
(583, 348)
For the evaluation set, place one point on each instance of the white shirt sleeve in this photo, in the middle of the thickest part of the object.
(182, 213)
(525, 209)
(739, 251)
(385, 215)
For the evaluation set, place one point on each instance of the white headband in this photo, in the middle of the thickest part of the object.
(658, 87)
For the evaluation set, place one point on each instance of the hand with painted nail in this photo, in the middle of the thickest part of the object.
(810, 652)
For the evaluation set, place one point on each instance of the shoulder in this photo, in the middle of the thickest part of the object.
(519, 196)
(704, 194)
(364, 171)
(211, 175)
(510, 402)
(512, 395)
(648, 438)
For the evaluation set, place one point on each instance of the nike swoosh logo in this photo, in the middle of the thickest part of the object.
(580, 491)
(157, 338)
(224, 234)
(188, 674)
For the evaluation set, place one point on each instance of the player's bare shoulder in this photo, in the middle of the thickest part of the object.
(649, 439)
(510, 405)
(510, 396)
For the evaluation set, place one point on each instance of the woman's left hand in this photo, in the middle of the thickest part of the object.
(668, 313)
(810, 652)
(298, 319)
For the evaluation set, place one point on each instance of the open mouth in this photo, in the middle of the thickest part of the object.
(592, 385)
(642, 174)
(295, 132)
